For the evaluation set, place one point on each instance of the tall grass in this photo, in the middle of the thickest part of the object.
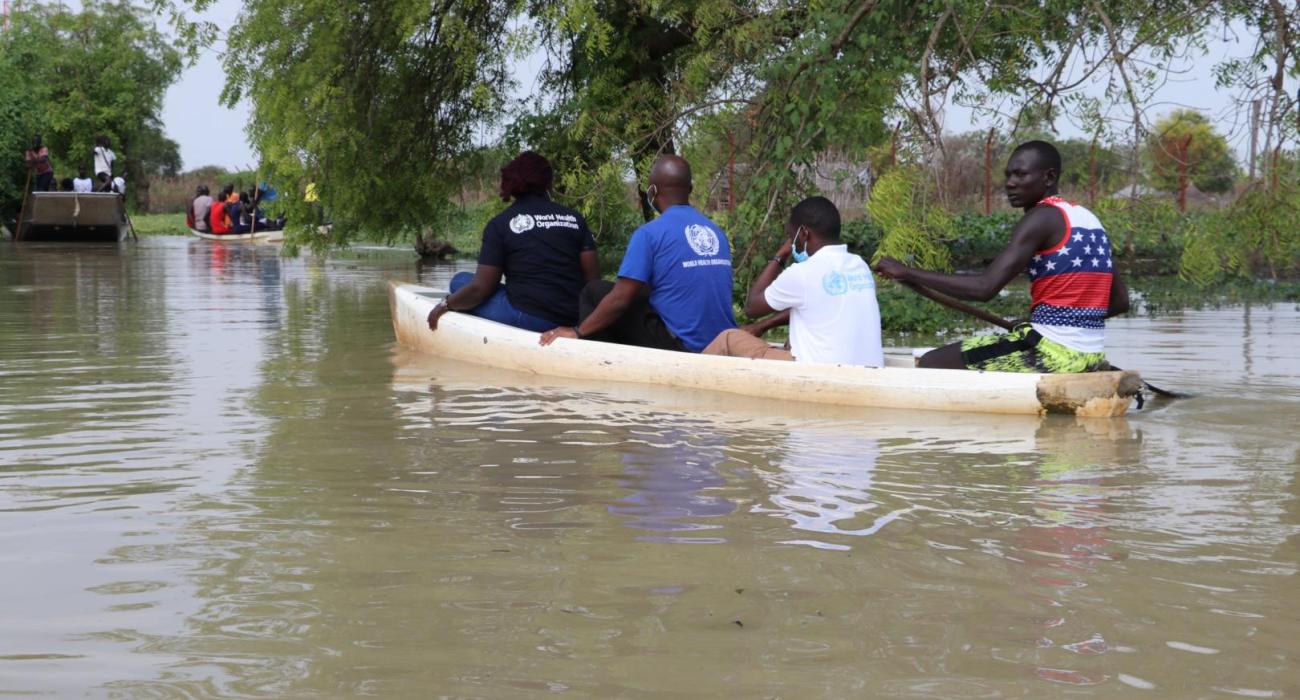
(170, 195)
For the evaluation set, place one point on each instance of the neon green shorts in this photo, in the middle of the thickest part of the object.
(1023, 350)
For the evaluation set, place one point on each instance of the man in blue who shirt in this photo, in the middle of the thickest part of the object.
(682, 259)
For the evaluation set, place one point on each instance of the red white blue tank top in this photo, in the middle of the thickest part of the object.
(1070, 282)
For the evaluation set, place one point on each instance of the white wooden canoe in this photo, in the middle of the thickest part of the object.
(479, 341)
(256, 236)
(74, 216)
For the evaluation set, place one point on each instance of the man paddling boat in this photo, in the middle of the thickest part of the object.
(1074, 285)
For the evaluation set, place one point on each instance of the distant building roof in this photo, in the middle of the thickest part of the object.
(1136, 190)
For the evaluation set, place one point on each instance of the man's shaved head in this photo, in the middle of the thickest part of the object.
(671, 172)
(1046, 153)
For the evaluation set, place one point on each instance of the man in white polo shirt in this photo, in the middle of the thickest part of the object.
(831, 295)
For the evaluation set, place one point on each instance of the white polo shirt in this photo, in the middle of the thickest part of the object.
(834, 317)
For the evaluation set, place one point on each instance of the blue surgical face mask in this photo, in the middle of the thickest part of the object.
(800, 255)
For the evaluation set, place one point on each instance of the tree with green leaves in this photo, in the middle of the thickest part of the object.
(388, 106)
(75, 75)
(1184, 148)
(381, 106)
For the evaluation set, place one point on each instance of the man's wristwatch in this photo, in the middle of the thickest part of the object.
(777, 259)
(577, 333)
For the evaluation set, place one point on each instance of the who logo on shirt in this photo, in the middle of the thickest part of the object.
(702, 239)
(522, 222)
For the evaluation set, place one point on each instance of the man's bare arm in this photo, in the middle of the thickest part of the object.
(1118, 296)
(590, 263)
(485, 282)
(603, 316)
(1040, 228)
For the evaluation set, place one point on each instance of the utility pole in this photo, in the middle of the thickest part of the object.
(988, 174)
(1092, 171)
(1182, 150)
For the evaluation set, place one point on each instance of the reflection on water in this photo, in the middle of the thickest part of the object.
(822, 483)
(218, 478)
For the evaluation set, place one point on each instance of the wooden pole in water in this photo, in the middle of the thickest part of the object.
(22, 211)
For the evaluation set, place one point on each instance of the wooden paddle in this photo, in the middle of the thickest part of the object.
(1008, 325)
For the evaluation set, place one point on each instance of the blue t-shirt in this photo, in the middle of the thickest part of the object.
(685, 260)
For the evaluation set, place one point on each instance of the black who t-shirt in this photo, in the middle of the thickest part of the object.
(537, 243)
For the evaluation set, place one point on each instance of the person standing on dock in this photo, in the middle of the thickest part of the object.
(38, 160)
(544, 250)
(829, 292)
(1074, 286)
(104, 156)
(674, 285)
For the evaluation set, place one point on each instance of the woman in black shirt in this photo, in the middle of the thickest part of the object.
(544, 250)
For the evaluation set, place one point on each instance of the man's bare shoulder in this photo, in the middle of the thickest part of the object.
(1043, 225)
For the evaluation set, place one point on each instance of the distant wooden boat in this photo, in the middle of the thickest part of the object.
(256, 236)
(898, 385)
(73, 216)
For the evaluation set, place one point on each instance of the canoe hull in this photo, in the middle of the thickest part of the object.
(471, 339)
(256, 236)
(74, 216)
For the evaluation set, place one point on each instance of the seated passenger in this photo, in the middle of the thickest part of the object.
(236, 214)
(545, 251)
(218, 221)
(674, 286)
(65, 185)
(197, 216)
(103, 184)
(82, 183)
(834, 317)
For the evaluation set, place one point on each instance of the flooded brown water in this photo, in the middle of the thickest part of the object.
(219, 478)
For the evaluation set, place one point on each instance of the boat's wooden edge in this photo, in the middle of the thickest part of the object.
(256, 237)
(1095, 394)
(1098, 394)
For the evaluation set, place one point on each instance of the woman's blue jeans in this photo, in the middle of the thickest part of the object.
(498, 308)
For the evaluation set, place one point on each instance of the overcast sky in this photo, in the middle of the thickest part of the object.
(210, 134)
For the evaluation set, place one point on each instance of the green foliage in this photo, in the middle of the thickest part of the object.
(160, 225)
(1202, 260)
(1187, 137)
(1144, 229)
(862, 236)
(905, 311)
(1101, 165)
(1258, 234)
(76, 75)
(977, 239)
(377, 104)
(18, 121)
(916, 230)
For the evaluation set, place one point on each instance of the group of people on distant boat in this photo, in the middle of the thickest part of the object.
(43, 178)
(674, 285)
(230, 212)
